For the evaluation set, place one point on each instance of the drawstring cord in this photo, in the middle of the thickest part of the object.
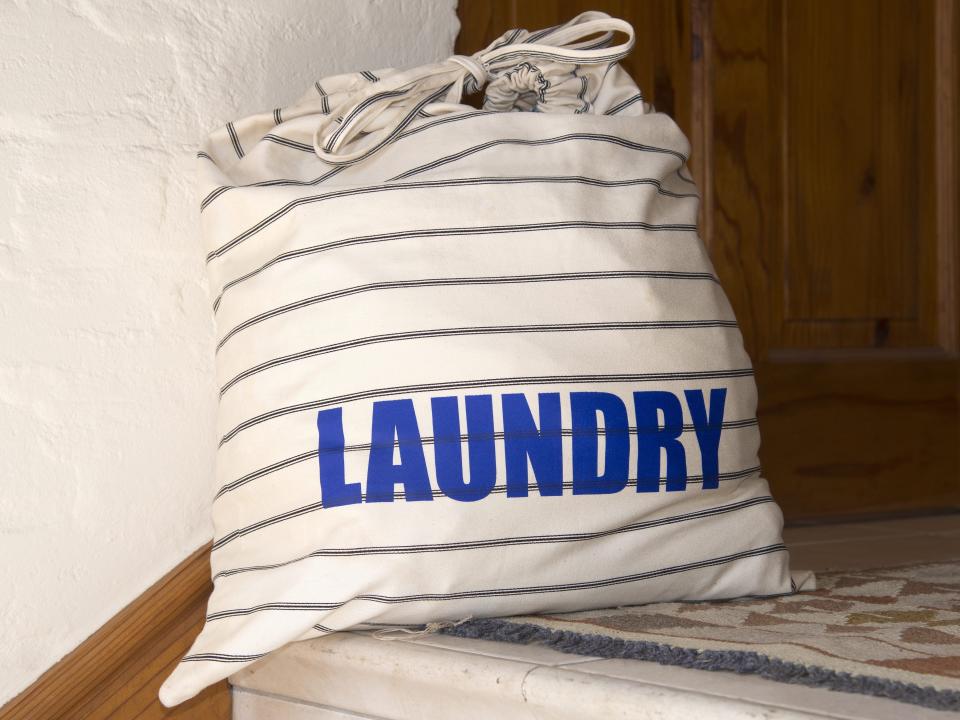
(400, 633)
(372, 117)
(478, 72)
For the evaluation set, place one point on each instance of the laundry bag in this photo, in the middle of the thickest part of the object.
(471, 362)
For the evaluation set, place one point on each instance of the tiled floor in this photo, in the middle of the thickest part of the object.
(354, 676)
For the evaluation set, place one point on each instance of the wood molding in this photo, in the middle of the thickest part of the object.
(947, 123)
(117, 671)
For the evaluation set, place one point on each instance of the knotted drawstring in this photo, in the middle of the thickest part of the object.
(516, 64)
(477, 70)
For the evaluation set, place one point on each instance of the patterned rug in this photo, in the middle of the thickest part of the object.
(892, 632)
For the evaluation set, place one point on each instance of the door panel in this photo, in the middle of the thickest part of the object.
(852, 133)
(824, 144)
(822, 220)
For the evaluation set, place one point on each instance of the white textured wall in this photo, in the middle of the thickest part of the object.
(106, 386)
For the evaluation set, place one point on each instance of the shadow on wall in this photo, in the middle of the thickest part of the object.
(106, 406)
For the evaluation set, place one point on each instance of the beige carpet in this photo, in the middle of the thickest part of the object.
(892, 632)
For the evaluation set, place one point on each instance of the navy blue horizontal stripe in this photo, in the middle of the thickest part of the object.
(450, 232)
(217, 192)
(385, 599)
(504, 592)
(268, 470)
(455, 182)
(205, 156)
(497, 490)
(460, 282)
(528, 54)
(232, 132)
(509, 39)
(397, 131)
(221, 657)
(286, 142)
(303, 147)
(591, 137)
(213, 196)
(281, 182)
(506, 541)
(369, 189)
(625, 104)
(359, 108)
(473, 331)
(394, 186)
(324, 99)
(443, 120)
(482, 383)
(429, 440)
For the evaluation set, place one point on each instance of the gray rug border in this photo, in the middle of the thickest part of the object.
(743, 662)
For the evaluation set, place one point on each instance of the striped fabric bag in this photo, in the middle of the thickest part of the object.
(471, 362)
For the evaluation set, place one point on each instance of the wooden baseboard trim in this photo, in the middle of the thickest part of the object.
(117, 671)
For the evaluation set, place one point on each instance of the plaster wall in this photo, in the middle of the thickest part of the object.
(107, 397)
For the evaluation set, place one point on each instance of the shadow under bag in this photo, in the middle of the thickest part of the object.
(471, 362)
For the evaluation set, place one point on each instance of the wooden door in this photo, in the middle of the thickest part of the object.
(825, 145)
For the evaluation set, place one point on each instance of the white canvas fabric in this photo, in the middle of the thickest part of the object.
(471, 362)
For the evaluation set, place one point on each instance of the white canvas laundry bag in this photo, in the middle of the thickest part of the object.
(471, 362)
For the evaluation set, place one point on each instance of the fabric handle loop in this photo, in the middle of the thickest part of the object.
(477, 70)
(372, 117)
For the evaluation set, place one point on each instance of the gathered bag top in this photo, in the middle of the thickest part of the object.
(550, 71)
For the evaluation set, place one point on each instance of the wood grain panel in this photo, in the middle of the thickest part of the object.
(117, 672)
(741, 130)
(823, 223)
(947, 157)
(857, 436)
(839, 165)
(858, 192)
(825, 147)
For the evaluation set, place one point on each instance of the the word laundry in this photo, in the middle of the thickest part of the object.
(397, 465)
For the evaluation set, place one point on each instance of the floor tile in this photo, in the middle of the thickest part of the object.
(255, 706)
(397, 680)
(354, 676)
(567, 694)
(525, 653)
(826, 703)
